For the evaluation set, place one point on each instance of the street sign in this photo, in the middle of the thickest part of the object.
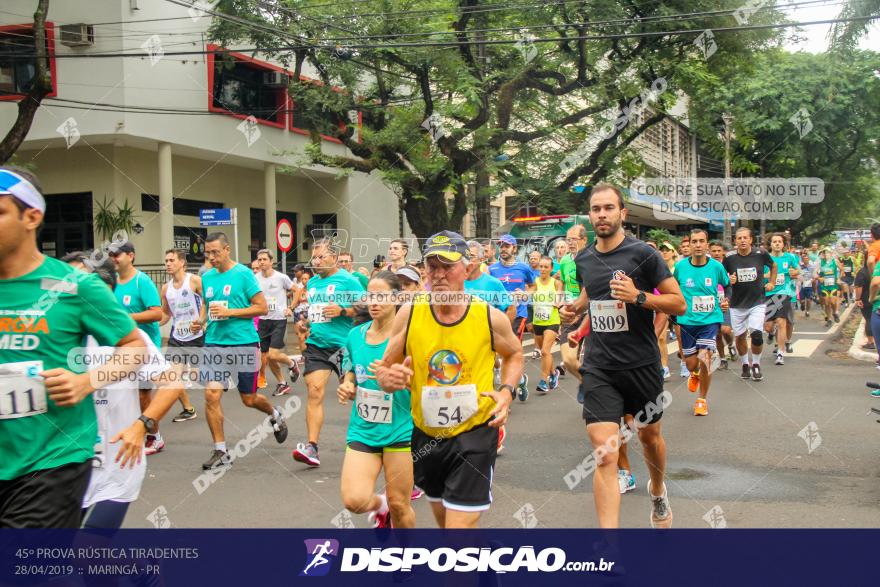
(284, 235)
(217, 216)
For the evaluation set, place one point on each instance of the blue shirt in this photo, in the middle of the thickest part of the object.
(514, 277)
(490, 290)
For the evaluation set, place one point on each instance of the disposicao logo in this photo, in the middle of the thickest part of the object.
(320, 552)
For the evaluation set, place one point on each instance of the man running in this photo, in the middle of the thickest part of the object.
(346, 261)
(138, 295)
(182, 305)
(397, 252)
(829, 285)
(47, 419)
(276, 287)
(747, 308)
(700, 277)
(807, 275)
(780, 313)
(718, 251)
(622, 373)
(444, 351)
(232, 300)
(576, 237)
(331, 296)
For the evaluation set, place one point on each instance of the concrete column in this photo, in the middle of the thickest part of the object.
(166, 199)
(269, 205)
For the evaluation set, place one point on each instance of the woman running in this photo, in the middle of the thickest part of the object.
(380, 427)
(547, 296)
(830, 271)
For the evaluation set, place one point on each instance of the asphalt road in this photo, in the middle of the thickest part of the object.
(744, 465)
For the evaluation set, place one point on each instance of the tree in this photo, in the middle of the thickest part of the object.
(845, 35)
(41, 86)
(840, 145)
(443, 109)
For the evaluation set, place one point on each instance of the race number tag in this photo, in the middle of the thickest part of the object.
(22, 390)
(543, 312)
(608, 316)
(449, 405)
(273, 304)
(222, 304)
(746, 275)
(183, 329)
(316, 314)
(829, 281)
(374, 406)
(98, 461)
(780, 279)
(702, 304)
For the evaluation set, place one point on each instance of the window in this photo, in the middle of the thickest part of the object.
(17, 74)
(181, 207)
(242, 86)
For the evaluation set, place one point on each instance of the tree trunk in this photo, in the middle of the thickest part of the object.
(42, 85)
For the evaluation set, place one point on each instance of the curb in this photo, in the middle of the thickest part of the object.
(856, 351)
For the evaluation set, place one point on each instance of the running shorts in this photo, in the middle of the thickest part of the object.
(829, 291)
(359, 446)
(272, 334)
(694, 338)
(320, 359)
(50, 498)
(745, 319)
(610, 394)
(216, 361)
(539, 330)
(779, 306)
(806, 293)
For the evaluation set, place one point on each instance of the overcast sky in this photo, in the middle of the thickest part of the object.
(815, 38)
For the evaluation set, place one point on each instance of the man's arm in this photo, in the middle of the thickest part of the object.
(392, 371)
(151, 314)
(166, 311)
(258, 307)
(508, 347)
(875, 286)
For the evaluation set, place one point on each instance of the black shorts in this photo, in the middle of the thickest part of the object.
(359, 446)
(779, 306)
(214, 362)
(320, 359)
(848, 279)
(51, 498)
(609, 395)
(196, 342)
(539, 330)
(180, 355)
(272, 334)
(456, 471)
(519, 324)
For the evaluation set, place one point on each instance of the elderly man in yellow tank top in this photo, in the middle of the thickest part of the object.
(442, 348)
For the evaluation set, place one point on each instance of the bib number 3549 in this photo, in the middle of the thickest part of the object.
(22, 391)
(448, 406)
(608, 316)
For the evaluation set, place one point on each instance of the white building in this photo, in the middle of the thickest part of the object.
(173, 133)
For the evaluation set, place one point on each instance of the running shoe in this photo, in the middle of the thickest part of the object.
(502, 433)
(723, 364)
(626, 481)
(666, 375)
(694, 382)
(684, 372)
(836, 318)
(536, 354)
(279, 426)
(771, 335)
(756, 372)
(661, 513)
(779, 359)
(671, 336)
(746, 372)
(869, 346)
(828, 324)
(293, 369)
(261, 382)
(875, 392)
(153, 445)
(788, 348)
(185, 415)
(560, 369)
(281, 389)
(307, 453)
(542, 387)
(523, 388)
(701, 407)
(806, 314)
(380, 520)
(496, 378)
(553, 382)
(731, 351)
(219, 458)
(580, 396)
(416, 493)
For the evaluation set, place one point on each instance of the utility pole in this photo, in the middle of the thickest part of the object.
(728, 119)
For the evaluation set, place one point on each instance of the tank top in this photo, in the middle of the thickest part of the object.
(545, 312)
(828, 274)
(452, 364)
(185, 306)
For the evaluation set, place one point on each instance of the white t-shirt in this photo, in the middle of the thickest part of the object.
(117, 407)
(275, 288)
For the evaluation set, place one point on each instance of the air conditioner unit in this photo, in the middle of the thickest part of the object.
(274, 79)
(77, 35)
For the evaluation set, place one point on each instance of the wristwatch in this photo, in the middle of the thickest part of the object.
(149, 423)
(641, 298)
(509, 388)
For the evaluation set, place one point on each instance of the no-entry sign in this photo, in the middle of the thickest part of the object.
(284, 235)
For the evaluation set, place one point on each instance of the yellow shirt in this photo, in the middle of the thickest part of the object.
(452, 364)
(544, 311)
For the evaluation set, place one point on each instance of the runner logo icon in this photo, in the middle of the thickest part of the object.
(320, 552)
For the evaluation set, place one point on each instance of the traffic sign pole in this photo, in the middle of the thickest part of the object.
(284, 240)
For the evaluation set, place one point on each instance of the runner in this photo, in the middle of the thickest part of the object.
(849, 275)
(410, 279)
(873, 248)
(745, 268)
(780, 313)
(814, 252)
(560, 250)
(380, 425)
(138, 295)
(808, 274)
(621, 368)
(43, 473)
(576, 237)
(700, 277)
(346, 261)
(534, 259)
(665, 325)
(232, 300)
(684, 247)
(331, 295)
(276, 288)
(546, 299)
(516, 277)
(397, 252)
(829, 285)
(718, 251)
(863, 301)
(489, 254)
(444, 352)
(181, 304)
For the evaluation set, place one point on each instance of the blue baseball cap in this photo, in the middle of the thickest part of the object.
(507, 239)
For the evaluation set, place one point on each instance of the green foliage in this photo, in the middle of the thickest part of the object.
(111, 218)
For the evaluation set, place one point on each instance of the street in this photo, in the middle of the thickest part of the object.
(744, 465)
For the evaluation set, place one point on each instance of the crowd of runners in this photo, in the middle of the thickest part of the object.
(429, 354)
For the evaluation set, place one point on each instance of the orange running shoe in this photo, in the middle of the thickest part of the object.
(261, 382)
(694, 381)
(701, 407)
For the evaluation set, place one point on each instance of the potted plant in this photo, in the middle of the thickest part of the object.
(111, 218)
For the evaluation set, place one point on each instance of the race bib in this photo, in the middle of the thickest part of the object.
(98, 461)
(543, 312)
(22, 391)
(780, 279)
(829, 281)
(746, 275)
(273, 304)
(702, 304)
(449, 405)
(608, 316)
(316, 314)
(183, 329)
(374, 406)
(222, 304)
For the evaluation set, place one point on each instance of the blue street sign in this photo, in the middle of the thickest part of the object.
(216, 217)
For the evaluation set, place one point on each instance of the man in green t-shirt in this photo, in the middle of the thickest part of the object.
(137, 293)
(780, 311)
(345, 261)
(232, 299)
(47, 308)
(576, 237)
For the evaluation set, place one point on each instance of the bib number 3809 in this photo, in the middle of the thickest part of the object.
(608, 316)
(22, 391)
(448, 406)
